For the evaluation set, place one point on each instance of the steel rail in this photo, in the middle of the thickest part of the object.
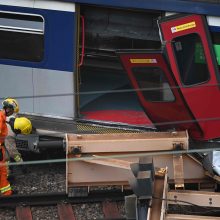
(45, 199)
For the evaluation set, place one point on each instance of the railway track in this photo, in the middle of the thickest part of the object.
(66, 212)
(64, 205)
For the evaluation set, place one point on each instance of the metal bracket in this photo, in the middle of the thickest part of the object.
(78, 191)
(142, 183)
(178, 171)
(76, 150)
(178, 146)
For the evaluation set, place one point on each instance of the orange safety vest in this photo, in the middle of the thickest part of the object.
(5, 187)
(3, 127)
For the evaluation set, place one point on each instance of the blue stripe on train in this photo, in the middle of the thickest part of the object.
(186, 6)
(214, 28)
(59, 39)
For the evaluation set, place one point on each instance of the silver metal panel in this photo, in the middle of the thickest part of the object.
(42, 4)
(213, 21)
(21, 3)
(53, 92)
(17, 82)
(55, 5)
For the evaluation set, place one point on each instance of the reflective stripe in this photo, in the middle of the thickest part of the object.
(5, 189)
(17, 158)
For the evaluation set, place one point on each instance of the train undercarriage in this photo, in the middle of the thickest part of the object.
(167, 178)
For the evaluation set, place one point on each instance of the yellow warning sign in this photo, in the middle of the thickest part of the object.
(183, 27)
(143, 60)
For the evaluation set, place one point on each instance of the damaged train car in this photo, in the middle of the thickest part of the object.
(144, 64)
(88, 66)
(60, 60)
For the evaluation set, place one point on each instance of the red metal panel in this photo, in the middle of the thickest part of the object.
(23, 213)
(173, 114)
(130, 117)
(65, 212)
(203, 99)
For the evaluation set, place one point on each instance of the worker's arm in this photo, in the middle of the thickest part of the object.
(1, 126)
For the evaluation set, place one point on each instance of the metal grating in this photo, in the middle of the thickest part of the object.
(96, 129)
(21, 144)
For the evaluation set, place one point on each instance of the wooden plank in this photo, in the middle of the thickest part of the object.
(84, 173)
(23, 213)
(200, 198)
(165, 189)
(157, 203)
(189, 217)
(129, 142)
(110, 210)
(111, 162)
(115, 136)
(65, 212)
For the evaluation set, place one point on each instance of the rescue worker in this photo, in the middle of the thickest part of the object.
(5, 187)
(16, 126)
(11, 104)
(20, 125)
(10, 143)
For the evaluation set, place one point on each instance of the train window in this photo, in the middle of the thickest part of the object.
(191, 59)
(216, 43)
(21, 37)
(153, 84)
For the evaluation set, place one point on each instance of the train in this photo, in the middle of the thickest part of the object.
(137, 63)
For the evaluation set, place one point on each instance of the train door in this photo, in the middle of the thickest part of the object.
(194, 68)
(151, 77)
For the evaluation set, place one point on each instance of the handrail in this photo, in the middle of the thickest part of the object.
(83, 40)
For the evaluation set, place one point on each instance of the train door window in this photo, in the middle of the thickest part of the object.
(191, 59)
(216, 43)
(21, 37)
(152, 82)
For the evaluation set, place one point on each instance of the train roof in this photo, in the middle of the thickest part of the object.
(207, 7)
